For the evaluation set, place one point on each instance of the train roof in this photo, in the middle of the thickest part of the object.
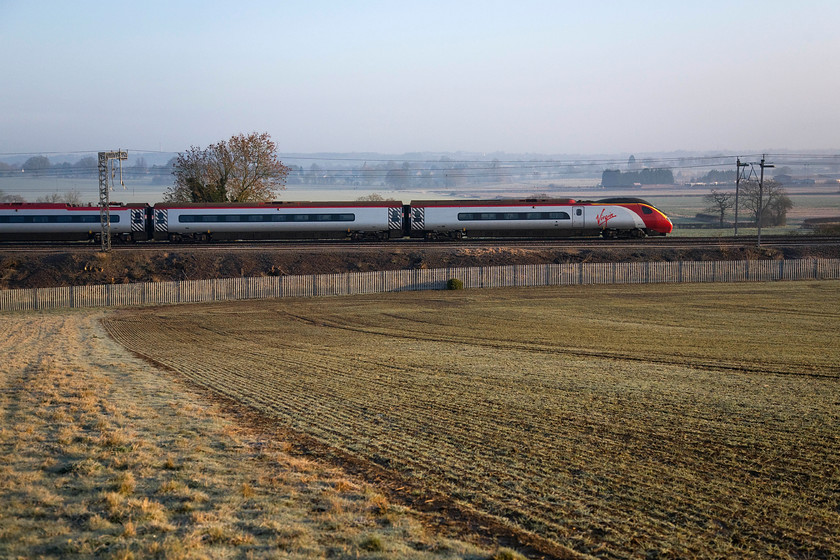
(65, 206)
(623, 200)
(528, 201)
(282, 204)
(494, 202)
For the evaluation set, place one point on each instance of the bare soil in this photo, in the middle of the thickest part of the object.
(19, 269)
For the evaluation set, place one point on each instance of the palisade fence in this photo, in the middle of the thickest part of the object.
(230, 289)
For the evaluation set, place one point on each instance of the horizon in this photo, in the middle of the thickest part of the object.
(351, 176)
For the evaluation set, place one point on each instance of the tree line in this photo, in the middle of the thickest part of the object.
(88, 166)
(441, 173)
(244, 168)
(614, 178)
(770, 208)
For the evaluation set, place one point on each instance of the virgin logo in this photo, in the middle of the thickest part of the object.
(603, 217)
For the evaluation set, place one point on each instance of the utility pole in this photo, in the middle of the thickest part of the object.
(737, 189)
(104, 194)
(761, 197)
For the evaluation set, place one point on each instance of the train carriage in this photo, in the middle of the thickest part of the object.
(536, 218)
(21, 221)
(278, 220)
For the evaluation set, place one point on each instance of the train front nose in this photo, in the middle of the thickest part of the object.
(656, 222)
(664, 226)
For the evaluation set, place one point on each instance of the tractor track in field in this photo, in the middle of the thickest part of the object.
(686, 361)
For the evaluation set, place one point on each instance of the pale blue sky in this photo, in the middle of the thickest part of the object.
(393, 77)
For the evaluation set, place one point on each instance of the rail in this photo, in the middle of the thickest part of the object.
(232, 289)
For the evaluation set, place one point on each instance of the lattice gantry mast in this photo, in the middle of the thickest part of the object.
(104, 193)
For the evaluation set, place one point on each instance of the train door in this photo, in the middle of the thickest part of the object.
(406, 220)
(578, 217)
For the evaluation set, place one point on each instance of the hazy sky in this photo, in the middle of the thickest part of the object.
(549, 77)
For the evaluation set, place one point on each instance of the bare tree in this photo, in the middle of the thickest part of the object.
(10, 197)
(69, 197)
(777, 209)
(255, 171)
(374, 197)
(241, 169)
(774, 204)
(195, 178)
(719, 202)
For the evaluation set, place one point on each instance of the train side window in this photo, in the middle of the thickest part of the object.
(579, 211)
(115, 219)
(647, 210)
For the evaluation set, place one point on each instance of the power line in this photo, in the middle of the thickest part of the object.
(46, 153)
(407, 157)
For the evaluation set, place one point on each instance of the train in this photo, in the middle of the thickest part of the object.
(615, 217)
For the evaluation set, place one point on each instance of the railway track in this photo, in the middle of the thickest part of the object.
(401, 244)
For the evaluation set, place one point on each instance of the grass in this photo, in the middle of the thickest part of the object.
(104, 456)
(671, 421)
(742, 231)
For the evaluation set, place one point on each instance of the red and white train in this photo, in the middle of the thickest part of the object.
(611, 217)
(430, 219)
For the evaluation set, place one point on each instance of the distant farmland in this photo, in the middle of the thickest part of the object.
(618, 421)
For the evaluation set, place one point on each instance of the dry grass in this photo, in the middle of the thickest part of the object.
(103, 456)
(620, 421)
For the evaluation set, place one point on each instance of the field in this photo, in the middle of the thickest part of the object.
(103, 456)
(687, 421)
